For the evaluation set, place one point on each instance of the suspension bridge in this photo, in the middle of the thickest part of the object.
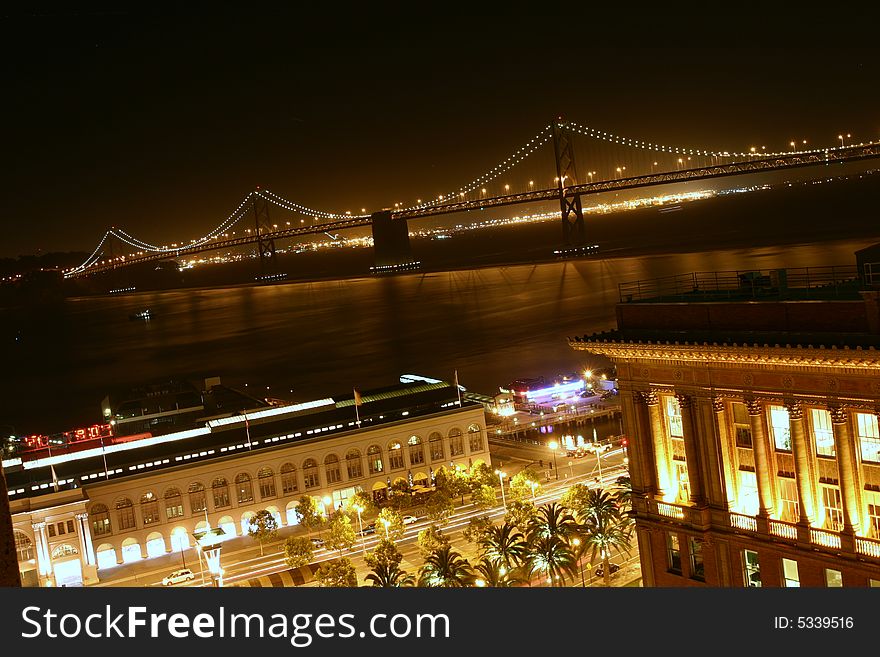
(613, 163)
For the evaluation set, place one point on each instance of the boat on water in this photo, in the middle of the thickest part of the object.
(144, 314)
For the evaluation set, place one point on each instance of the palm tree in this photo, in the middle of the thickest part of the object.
(605, 529)
(389, 575)
(551, 556)
(623, 492)
(552, 520)
(495, 574)
(504, 544)
(446, 568)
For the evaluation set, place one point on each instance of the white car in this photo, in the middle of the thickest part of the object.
(178, 576)
(408, 520)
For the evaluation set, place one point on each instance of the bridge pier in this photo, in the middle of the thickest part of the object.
(573, 229)
(391, 248)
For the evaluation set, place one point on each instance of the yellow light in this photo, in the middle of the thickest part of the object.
(552, 444)
(328, 500)
(480, 582)
(576, 542)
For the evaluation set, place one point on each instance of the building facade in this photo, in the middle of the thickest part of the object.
(67, 537)
(752, 417)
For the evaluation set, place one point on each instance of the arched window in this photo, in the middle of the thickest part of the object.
(456, 444)
(266, 480)
(197, 502)
(244, 489)
(173, 503)
(100, 520)
(416, 450)
(310, 473)
(288, 478)
(24, 548)
(435, 444)
(220, 488)
(125, 514)
(64, 550)
(331, 468)
(395, 456)
(475, 438)
(353, 464)
(149, 508)
(374, 459)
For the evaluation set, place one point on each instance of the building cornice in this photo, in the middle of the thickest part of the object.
(735, 353)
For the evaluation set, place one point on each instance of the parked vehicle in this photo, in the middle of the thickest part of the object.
(600, 571)
(178, 576)
(317, 543)
(408, 520)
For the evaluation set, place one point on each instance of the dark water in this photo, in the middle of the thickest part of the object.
(492, 324)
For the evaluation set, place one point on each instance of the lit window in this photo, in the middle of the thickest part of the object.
(435, 444)
(475, 438)
(23, 546)
(288, 478)
(874, 583)
(673, 416)
(331, 469)
(752, 569)
(100, 518)
(244, 489)
(395, 456)
(374, 459)
(780, 428)
(197, 502)
(310, 474)
(684, 485)
(869, 438)
(748, 493)
(833, 507)
(741, 427)
(822, 432)
(833, 578)
(456, 444)
(150, 508)
(266, 481)
(673, 553)
(788, 500)
(173, 503)
(125, 514)
(220, 490)
(790, 573)
(416, 451)
(873, 500)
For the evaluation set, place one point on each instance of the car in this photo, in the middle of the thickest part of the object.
(178, 576)
(600, 571)
(369, 529)
(408, 520)
(317, 543)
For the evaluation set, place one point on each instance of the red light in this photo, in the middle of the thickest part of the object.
(623, 442)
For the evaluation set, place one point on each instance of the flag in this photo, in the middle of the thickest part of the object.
(54, 478)
(358, 400)
(457, 389)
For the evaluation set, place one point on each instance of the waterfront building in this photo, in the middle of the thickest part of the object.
(751, 401)
(79, 513)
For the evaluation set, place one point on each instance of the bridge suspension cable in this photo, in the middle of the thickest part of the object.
(302, 209)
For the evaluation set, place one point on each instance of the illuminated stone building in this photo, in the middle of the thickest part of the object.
(76, 515)
(751, 400)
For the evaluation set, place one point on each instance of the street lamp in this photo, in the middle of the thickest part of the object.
(210, 541)
(328, 505)
(359, 510)
(501, 475)
(577, 543)
(534, 485)
(387, 523)
(553, 445)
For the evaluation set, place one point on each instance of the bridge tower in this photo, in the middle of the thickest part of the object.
(574, 241)
(391, 248)
(262, 226)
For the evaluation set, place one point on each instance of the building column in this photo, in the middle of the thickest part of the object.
(800, 449)
(846, 465)
(762, 458)
(85, 538)
(728, 460)
(691, 450)
(639, 437)
(44, 563)
(658, 440)
(633, 452)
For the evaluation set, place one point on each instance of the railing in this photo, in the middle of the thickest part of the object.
(825, 539)
(743, 522)
(803, 282)
(783, 529)
(868, 547)
(670, 510)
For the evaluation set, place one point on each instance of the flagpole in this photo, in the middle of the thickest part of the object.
(457, 389)
(357, 413)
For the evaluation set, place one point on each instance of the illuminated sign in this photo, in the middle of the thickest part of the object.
(94, 432)
(574, 386)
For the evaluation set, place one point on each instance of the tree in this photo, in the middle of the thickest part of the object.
(525, 485)
(337, 573)
(455, 483)
(308, 514)
(494, 574)
(552, 520)
(385, 564)
(605, 529)
(482, 475)
(400, 495)
(431, 539)
(553, 558)
(476, 529)
(263, 527)
(446, 568)
(298, 551)
(362, 499)
(386, 552)
(439, 507)
(506, 545)
(483, 497)
(340, 534)
(623, 492)
(576, 498)
(395, 525)
(520, 514)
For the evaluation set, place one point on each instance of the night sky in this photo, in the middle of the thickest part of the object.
(162, 122)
